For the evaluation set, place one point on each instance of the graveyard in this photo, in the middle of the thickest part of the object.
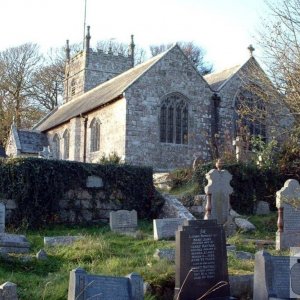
(175, 243)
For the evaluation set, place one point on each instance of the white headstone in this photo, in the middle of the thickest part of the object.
(220, 189)
(2, 218)
(288, 198)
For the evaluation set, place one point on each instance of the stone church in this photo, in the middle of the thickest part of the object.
(160, 113)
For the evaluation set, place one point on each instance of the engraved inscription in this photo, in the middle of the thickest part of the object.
(203, 251)
(291, 218)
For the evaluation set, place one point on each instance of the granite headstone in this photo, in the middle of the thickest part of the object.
(83, 286)
(276, 277)
(201, 260)
(123, 221)
(166, 228)
(288, 200)
(220, 189)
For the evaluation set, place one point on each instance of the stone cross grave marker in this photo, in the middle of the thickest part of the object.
(83, 286)
(288, 204)
(123, 221)
(201, 260)
(2, 218)
(219, 189)
(276, 277)
(166, 228)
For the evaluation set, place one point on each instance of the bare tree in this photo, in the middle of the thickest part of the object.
(279, 39)
(194, 52)
(17, 68)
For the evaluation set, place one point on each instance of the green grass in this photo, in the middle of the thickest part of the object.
(104, 252)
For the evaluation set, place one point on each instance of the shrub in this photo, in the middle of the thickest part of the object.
(250, 183)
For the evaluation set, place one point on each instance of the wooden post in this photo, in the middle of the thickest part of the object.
(280, 219)
(208, 208)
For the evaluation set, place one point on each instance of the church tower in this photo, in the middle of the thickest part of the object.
(89, 68)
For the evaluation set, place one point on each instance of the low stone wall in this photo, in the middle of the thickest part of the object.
(77, 206)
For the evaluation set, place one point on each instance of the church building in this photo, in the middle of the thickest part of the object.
(161, 113)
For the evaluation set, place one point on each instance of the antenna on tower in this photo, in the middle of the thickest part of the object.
(84, 24)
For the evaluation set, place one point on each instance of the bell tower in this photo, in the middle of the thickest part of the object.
(88, 68)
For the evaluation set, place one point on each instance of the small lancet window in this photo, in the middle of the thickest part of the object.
(66, 137)
(56, 146)
(73, 87)
(95, 135)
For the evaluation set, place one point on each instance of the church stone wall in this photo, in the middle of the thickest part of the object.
(112, 133)
(172, 74)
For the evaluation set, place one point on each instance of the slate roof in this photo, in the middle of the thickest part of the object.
(100, 95)
(31, 141)
(218, 79)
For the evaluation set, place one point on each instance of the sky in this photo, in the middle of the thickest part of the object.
(224, 28)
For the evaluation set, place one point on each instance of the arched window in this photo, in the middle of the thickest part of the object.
(250, 115)
(174, 120)
(95, 135)
(56, 146)
(66, 138)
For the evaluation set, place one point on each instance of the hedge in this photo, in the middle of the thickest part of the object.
(37, 185)
(250, 184)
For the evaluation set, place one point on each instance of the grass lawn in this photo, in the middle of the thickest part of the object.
(103, 252)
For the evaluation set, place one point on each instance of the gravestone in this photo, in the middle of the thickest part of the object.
(2, 218)
(288, 204)
(61, 240)
(123, 221)
(201, 260)
(219, 189)
(8, 291)
(276, 277)
(83, 286)
(166, 228)
(13, 243)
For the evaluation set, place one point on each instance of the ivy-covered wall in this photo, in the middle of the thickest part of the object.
(54, 191)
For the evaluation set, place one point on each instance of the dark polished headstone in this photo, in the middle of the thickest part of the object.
(201, 260)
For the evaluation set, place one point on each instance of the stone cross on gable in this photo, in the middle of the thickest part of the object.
(220, 189)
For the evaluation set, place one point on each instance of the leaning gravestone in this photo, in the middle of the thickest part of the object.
(8, 291)
(201, 260)
(288, 204)
(2, 218)
(83, 286)
(166, 228)
(123, 221)
(219, 189)
(276, 277)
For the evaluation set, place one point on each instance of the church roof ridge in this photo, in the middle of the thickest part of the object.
(98, 96)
